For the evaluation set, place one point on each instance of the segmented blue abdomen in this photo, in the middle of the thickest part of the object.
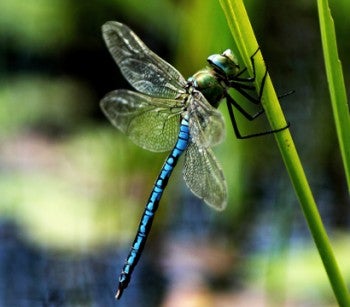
(152, 206)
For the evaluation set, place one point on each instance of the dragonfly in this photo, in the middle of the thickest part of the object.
(169, 113)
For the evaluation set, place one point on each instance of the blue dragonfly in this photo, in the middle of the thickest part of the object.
(168, 113)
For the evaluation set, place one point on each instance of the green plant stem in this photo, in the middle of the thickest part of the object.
(335, 83)
(243, 34)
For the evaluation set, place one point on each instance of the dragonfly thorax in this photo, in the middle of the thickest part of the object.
(209, 85)
(213, 80)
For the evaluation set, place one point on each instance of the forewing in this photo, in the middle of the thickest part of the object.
(204, 176)
(207, 126)
(150, 122)
(145, 71)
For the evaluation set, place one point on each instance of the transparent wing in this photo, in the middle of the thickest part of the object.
(146, 72)
(204, 176)
(150, 122)
(207, 126)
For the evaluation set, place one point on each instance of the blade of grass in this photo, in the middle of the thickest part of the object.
(336, 83)
(243, 34)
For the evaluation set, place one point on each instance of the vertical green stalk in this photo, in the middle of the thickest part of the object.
(243, 34)
(335, 83)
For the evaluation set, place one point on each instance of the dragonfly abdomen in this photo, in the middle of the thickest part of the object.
(152, 206)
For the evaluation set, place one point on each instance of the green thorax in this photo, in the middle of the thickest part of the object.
(213, 80)
(209, 85)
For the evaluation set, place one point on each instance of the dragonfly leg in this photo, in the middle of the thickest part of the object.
(248, 79)
(238, 83)
(242, 88)
(231, 102)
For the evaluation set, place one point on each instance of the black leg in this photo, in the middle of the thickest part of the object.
(241, 88)
(286, 94)
(249, 79)
(238, 84)
(229, 102)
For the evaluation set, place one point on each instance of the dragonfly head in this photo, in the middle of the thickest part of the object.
(226, 63)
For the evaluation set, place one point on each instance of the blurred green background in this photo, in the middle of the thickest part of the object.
(73, 188)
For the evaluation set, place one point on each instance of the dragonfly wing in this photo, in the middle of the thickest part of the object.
(204, 176)
(146, 72)
(206, 123)
(150, 122)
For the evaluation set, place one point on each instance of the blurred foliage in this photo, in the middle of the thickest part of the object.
(80, 182)
(294, 273)
(36, 24)
(38, 102)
